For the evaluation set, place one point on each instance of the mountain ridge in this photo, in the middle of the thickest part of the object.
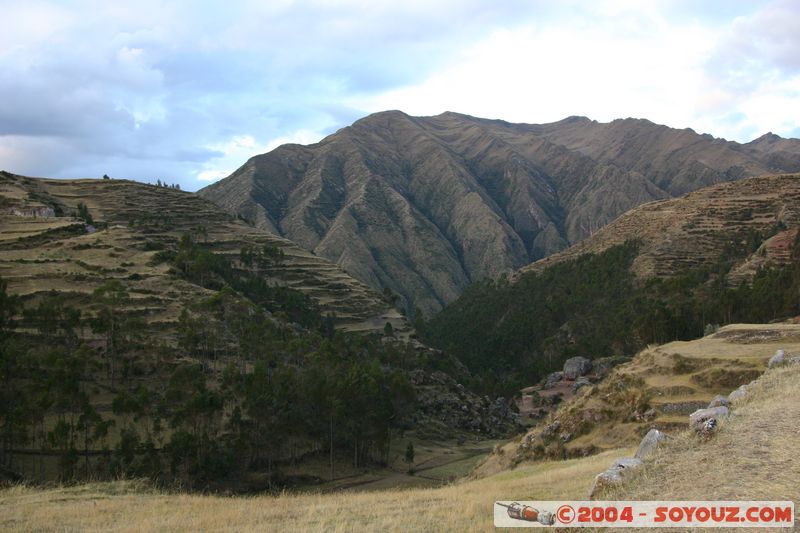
(425, 206)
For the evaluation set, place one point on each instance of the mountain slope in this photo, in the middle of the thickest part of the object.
(140, 220)
(664, 271)
(426, 205)
(695, 229)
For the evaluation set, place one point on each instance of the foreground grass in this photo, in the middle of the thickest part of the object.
(124, 506)
(753, 456)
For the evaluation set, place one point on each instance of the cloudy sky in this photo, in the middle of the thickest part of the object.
(186, 91)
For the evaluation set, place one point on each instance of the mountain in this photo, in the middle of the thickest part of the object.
(426, 205)
(667, 270)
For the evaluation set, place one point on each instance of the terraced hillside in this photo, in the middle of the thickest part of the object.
(696, 229)
(659, 388)
(46, 247)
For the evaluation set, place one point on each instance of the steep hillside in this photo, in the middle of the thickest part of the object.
(134, 222)
(697, 228)
(751, 458)
(664, 271)
(426, 205)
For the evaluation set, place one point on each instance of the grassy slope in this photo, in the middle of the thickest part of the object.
(753, 457)
(677, 375)
(465, 506)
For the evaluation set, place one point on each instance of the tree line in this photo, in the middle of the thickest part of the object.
(512, 334)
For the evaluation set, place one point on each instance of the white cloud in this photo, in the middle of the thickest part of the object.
(187, 91)
(639, 65)
(239, 148)
(212, 174)
(298, 137)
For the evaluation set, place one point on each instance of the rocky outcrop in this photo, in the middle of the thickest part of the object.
(426, 205)
(576, 367)
(448, 404)
(777, 360)
(719, 401)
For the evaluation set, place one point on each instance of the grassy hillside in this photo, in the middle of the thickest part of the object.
(135, 222)
(752, 457)
(658, 388)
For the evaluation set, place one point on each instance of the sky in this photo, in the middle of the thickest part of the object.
(185, 91)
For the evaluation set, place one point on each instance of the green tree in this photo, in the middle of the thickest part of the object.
(110, 320)
(83, 213)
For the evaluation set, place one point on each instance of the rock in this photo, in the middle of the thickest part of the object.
(649, 443)
(552, 379)
(626, 463)
(580, 383)
(602, 366)
(698, 418)
(603, 480)
(738, 394)
(794, 360)
(565, 437)
(551, 429)
(708, 428)
(576, 367)
(613, 475)
(681, 408)
(650, 414)
(777, 360)
(719, 401)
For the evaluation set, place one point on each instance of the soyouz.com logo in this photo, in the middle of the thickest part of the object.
(644, 514)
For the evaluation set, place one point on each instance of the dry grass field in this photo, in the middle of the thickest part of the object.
(126, 506)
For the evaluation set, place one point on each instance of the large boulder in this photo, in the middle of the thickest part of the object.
(575, 367)
(777, 360)
(738, 394)
(701, 416)
(613, 475)
(649, 443)
(719, 401)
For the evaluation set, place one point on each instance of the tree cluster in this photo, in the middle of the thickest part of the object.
(510, 335)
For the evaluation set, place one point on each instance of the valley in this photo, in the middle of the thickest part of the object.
(467, 503)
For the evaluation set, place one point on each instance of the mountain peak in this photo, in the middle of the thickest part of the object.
(424, 206)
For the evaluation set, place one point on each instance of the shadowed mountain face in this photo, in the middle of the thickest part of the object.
(424, 206)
